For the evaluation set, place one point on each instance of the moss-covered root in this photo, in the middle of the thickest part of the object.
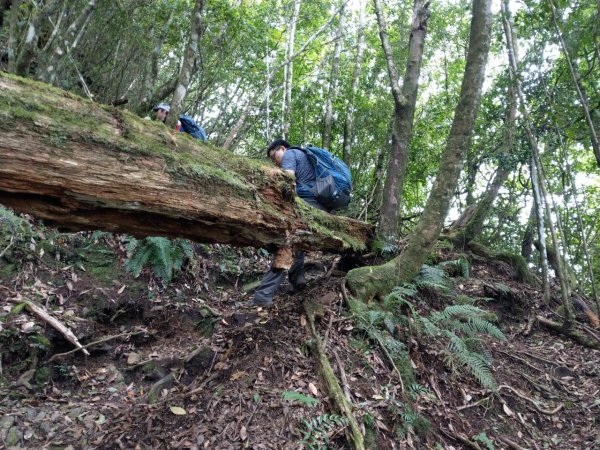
(375, 282)
(571, 332)
(331, 382)
(518, 263)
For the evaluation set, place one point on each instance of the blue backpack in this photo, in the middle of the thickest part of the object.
(333, 179)
(190, 126)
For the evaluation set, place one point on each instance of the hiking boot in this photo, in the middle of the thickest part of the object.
(261, 302)
(299, 283)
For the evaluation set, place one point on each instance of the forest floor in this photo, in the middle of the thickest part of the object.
(190, 367)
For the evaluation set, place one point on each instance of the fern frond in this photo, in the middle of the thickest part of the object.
(482, 326)
(457, 267)
(433, 278)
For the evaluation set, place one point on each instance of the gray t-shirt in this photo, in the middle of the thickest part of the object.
(296, 160)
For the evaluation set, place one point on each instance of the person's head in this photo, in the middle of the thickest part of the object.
(275, 150)
(162, 110)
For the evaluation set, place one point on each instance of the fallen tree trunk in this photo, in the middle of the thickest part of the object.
(80, 165)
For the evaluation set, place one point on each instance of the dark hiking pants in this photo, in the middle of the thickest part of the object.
(274, 277)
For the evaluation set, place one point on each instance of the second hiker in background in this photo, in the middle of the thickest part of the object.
(185, 124)
(323, 181)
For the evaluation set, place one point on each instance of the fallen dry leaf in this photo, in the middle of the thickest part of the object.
(313, 389)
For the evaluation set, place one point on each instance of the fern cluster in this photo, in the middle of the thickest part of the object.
(459, 326)
(317, 431)
(164, 256)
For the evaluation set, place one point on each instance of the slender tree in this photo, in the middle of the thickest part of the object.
(578, 87)
(13, 37)
(369, 282)
(288, 75)
(405, 98)
(350, 106)
(187, 66)
(478, 214)
(65, 44)
(333, 80)
(537, 174)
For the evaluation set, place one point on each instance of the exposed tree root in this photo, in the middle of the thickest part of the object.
(331, 382)
(548, 412)
(572, 333)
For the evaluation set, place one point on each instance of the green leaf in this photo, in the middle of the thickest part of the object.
(296, 396)
(178, 411)
(18, 308)
(101, 419)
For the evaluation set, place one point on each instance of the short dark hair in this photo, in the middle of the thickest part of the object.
(277, 143)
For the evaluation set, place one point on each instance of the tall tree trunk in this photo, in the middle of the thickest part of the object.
(13, 35)
(472, 229)
(541, 232)
(527, 241)
(288, 77)
(578, 87)
(369, 282)
(350, 107)
(536, 162)
(405, 99)
(28, 49)
(580, 228)
(64, 45)
(152, 71)
(187, 66)
(333, 80)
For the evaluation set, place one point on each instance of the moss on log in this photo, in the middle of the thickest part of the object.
(80, 165)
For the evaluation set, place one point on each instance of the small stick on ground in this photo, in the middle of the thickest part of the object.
(41, 313)
(343, 377)
(99, 341)
(331, 382)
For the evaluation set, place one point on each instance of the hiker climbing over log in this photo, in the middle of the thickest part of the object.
(185, 123)
(321, 180)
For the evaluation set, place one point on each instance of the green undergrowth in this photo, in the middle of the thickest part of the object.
(457, 331)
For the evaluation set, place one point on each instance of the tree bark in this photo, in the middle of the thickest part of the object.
(375, 282)
(86, 166)
(350, 108)
(333, 81)
(405, 99)
(187, 66)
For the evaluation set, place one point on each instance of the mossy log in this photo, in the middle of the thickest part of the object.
(80, 165)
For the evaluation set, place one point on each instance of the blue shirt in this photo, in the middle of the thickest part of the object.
(297, 161)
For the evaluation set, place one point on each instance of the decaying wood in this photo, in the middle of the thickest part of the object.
(331, 382)
(81, 165)
(42, 314)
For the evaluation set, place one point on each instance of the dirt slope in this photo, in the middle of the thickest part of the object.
(232, 377)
